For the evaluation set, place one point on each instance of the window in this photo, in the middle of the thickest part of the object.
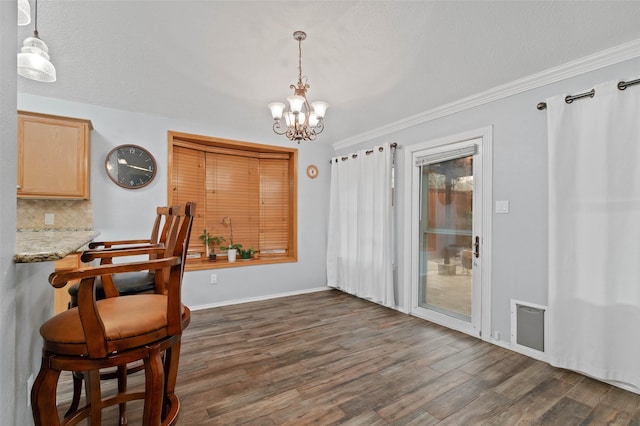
(254, 185)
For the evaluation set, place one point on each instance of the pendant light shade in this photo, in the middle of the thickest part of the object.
(24, 12)
(33, 59)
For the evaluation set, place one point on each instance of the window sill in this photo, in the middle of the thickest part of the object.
(222, 262)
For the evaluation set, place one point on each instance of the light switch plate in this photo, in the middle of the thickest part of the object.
(502, 206)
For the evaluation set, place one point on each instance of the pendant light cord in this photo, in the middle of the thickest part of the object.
(35, 26)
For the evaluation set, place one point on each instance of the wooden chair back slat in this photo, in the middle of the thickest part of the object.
(159, 231)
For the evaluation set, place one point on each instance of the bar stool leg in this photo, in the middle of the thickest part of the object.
(43, 395)
(94, 396)
(77, 390)
(122, 388)
(154, 385)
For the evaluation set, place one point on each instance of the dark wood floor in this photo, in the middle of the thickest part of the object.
(328, 358)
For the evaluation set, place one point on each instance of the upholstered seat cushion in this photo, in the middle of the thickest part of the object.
(127, 283)
(123, 318)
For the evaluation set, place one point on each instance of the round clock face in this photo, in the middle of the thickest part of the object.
(130, 166)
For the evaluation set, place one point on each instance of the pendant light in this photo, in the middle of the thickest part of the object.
(24, 12)
(33, 59)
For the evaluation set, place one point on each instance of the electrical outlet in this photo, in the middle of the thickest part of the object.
(49, 218)
(214, 279)
(29, 386)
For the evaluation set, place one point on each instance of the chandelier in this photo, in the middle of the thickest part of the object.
(303, 122)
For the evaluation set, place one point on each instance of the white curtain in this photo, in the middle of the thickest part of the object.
(594, 234)
(360, 241)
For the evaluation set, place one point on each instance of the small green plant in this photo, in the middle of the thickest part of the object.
(205, 237)
(216, 241)
(210, 241)
(246, 253)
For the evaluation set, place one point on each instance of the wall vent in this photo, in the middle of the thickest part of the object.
(528, 328)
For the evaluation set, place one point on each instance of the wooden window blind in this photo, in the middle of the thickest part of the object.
(274, 206)
(252, 184)
(188, 184)
(233, 191)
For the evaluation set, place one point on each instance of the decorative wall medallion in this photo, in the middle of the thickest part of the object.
(312, 171)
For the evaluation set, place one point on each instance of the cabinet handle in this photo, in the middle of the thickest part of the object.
(18, 187)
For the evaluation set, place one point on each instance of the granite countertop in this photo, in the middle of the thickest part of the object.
(44, 246)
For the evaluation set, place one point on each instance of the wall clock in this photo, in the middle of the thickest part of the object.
(130, 166)
(312, 171)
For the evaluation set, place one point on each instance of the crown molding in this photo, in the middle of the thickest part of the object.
(611, 56)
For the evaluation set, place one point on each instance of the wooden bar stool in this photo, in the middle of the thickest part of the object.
(117, 331)
(124, 284)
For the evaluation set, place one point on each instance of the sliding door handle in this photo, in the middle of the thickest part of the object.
(476, 247)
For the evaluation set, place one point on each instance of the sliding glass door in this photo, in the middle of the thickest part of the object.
(447, 288)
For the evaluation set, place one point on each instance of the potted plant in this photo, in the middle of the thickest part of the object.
(232, 249)
(213, 241)
(246, 254)
(210, 242)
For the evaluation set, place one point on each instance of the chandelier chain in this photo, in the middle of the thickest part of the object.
(299, 60)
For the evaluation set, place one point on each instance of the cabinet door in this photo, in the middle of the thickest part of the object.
(53, 157)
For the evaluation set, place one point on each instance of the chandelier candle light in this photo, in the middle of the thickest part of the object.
(303, 122)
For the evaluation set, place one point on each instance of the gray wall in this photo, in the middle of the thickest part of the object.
(26, 300)
(519, 239)
(33, 306)
(9, 396)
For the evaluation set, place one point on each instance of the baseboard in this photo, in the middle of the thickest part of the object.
(540, 356)
(401, 309)
(257, 299)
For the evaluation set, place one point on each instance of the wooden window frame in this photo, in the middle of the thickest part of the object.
(227, 146)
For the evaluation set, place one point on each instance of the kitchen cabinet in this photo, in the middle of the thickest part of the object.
(53, 156)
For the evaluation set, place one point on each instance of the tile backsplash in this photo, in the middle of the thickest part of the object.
(64, 214)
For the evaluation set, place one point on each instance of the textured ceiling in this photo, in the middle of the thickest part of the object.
(375, 62)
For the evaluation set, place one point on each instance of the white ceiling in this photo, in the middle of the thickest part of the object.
(375, 62)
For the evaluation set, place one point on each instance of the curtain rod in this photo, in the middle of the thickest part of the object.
(591, 93)
(346, 157)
